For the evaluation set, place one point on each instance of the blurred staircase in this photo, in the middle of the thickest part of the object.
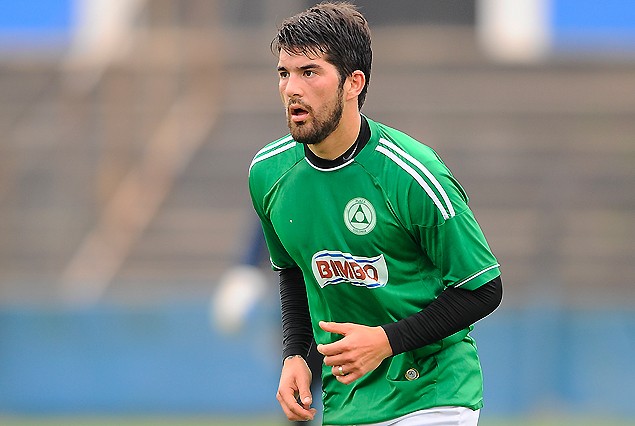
(546, 152)
(92, 153)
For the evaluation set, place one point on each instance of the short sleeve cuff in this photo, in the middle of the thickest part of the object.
(477, 279)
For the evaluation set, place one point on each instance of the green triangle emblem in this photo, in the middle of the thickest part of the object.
(359, 216)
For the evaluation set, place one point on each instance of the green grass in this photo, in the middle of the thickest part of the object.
(139, 421)
(269, 421)
(554, 421)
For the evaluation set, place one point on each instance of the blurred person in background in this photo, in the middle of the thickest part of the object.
(242, 287)
(380, 258)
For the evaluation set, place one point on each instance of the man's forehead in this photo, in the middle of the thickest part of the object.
(299, 58)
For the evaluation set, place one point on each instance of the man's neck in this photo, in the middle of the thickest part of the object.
(322, 164)
(342, 138)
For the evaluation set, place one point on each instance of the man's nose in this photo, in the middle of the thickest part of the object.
(293, 87)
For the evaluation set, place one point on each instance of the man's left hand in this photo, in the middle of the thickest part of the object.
(361, 350)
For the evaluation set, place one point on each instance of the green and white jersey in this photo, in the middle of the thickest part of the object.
(377, 240)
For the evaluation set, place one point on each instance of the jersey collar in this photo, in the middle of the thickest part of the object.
(347, 157)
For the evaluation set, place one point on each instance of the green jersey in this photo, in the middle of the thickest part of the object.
(377, 239)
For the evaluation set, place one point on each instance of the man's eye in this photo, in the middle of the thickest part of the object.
(308, 73)
(283, 74)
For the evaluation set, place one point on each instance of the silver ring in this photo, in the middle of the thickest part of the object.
(341, 370)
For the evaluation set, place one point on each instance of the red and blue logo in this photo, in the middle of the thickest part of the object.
(335, 267)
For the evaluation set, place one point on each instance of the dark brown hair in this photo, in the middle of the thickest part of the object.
(336, 30)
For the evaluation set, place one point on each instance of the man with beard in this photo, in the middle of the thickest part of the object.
(380, 258)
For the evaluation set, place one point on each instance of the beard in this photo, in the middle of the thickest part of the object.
(321, 126)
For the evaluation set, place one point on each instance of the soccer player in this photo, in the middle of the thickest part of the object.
(380, 257)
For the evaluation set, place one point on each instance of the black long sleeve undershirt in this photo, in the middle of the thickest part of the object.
(454, 310)
(297, 332)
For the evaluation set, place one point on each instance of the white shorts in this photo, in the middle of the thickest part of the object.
(438, 416)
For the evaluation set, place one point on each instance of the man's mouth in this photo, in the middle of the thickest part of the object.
(297, 113)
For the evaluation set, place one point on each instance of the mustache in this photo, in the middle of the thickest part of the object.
(300, 103)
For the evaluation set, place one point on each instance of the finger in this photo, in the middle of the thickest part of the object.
(303, 415)
(348, 379)
(339, 371)
(335, 370)
(320, 348)
(305, 397)
(295, 417)
(335, 360)
(335, 327)
(286, 400)
(332, 349)
(292, 409)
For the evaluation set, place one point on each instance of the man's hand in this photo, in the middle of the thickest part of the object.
(361, 350)
(295, 383)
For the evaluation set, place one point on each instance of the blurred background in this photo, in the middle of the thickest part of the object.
(127, 128)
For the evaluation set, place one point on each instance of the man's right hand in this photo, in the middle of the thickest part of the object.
(295, 384)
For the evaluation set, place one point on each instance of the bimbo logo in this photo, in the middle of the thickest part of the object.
(334, 267)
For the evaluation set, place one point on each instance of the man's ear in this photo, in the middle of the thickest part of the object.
(354, 84)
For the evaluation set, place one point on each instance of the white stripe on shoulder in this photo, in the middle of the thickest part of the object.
(416, 177)
(476, 275)
(425, 171)
(275, 144)
(269, 154)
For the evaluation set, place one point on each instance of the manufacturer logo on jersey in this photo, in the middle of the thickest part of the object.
(359, 216)
(334, 267)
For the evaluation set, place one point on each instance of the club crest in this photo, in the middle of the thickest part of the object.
(359, 216)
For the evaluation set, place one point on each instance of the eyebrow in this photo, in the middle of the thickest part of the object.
(310, 66)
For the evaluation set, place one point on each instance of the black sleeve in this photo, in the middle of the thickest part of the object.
(297, 333)
(454, 310)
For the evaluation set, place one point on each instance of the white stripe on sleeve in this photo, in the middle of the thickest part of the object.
(416, 177)
(425, 171)
(271, 154)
